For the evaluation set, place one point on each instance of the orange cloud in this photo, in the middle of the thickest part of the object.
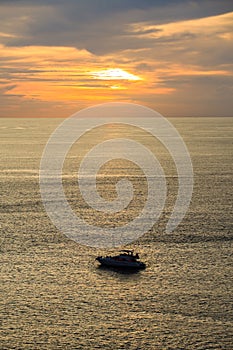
(169, 53)
(221, 25)
(64, 74)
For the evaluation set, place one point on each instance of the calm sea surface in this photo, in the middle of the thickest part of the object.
(54, 296)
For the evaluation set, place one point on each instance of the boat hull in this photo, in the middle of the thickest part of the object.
(108, 262)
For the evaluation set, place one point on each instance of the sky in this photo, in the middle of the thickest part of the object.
(57, 57)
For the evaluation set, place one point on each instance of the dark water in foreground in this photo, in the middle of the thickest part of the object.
(53, 295)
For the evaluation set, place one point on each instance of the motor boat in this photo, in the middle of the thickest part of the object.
(125, 260)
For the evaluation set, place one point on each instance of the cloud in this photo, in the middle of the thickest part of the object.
(98, 26)
(51, 53)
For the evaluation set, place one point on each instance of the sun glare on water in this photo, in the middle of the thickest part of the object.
(114, 74)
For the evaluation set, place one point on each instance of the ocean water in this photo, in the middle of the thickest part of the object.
(54, 295)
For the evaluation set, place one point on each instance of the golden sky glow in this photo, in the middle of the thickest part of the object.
(162, 66)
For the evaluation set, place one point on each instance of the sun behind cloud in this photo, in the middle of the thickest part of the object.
(114, 74)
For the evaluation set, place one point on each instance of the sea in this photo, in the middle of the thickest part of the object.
(54, 295)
